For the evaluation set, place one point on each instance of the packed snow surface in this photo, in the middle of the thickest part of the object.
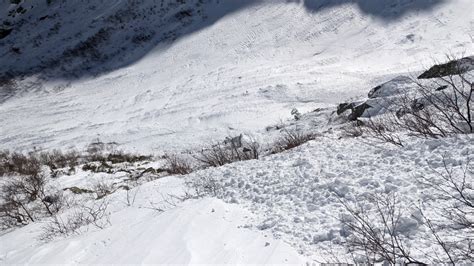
(244, 71)
(213, 70)
(202, 231)
(297, 194)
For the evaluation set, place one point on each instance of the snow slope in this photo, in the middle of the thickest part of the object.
(241, 70)
(246, 70)
(296, 195)
(199, 231)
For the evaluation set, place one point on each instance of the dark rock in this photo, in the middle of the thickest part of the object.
(454, 67)
(392, 87)
(342, 107)
(5, 32)
(442, 88)
(417, 105)
(358, 111)
(77, 190)
(246, 149)
(16, 50)
(373, 91)
(51, 199)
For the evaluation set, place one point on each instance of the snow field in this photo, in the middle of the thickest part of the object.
(295, 194)
(195, 232)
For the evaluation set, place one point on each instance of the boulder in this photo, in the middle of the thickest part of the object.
(358, 111)
(454, 67)
(390, 88)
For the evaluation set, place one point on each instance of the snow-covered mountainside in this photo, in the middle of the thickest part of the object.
(112, 80)
(234, 66)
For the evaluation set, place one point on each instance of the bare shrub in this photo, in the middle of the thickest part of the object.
(24, 199)
(130, 198)
(14, 209)
(57, 159)
(377, 235)
(77, 221)
(352, 130)
(224, 153)
(203, 186)
(453, 186)
(177, 165)
(4, 162)
(30, 164)
(452, 98)
(446, 214)
(123, 157)
(382, 128)
(97, 167)
(102, 189)
(107, 153)
(291, 139)
(19, 163)
(440, 108)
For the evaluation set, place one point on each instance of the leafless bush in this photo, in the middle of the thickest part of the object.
(30, 164)
(382, 128)
(102, 189)
(436, 109)
(123, 157)
(177, 165)
(377, 235)
(19, 163)
(14, 209)
(24, 199)
(130, 197)
(291, 139)
(106, 153)
(202, 186)
(454, 187)
(352, 130)
(447, 215)
(97, 167)
(78, 220)
(57, 159)
(224, 153)
(439, 109)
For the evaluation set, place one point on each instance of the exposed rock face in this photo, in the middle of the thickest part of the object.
(378, 98)
(358, 111)
(390, 88)
(5, 32)
(384, 97)
(451, 68)
(342, 107)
